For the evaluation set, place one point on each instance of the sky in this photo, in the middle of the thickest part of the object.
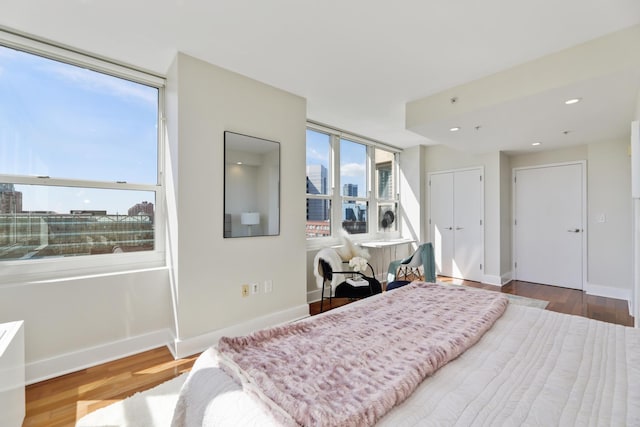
(353, 158)
(64, 121)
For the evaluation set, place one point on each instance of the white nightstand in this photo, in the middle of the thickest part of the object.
(12, 377)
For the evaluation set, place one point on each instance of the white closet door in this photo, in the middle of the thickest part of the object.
(441, 228)
(548, 227)
(467, 225)
(456, 200)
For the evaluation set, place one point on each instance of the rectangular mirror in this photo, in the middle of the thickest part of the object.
(251, 186)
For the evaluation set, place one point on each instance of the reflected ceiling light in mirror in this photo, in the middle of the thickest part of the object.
(572, 101)
(454, 129)
(536, 144)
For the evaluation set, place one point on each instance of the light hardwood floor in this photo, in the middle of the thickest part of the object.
(63, 400)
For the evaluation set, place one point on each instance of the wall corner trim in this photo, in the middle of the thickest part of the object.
(609, 292)
(45, 369)
(189, 346)
(493, 280)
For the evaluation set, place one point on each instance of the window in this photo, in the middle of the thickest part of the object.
(386, 197)
(79, 155)
(364, 178)
(318, 184)
(353, 179)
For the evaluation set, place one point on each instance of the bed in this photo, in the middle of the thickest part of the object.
(526, 367)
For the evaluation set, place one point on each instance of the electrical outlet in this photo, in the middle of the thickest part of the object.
(268, 286)
(245, 290)
(255, 288)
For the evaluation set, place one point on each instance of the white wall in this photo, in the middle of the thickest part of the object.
(211, 269)
(609, 243)
(609, 198)
(78, 322)
(413, 193)
(505, 219)
(635, 307)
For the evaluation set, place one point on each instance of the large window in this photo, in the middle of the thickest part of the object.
(78, 155)
(355, 174)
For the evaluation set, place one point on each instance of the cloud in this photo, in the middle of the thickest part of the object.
(105, 84)
(352, 169)
(314, 154)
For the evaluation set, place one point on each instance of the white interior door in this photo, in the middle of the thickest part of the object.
(456, 230)
(441, 227)
(467, 225)
(549, 224)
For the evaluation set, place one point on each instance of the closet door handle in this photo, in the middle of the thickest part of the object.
(449, 228)
(459, 228)
(574, 230)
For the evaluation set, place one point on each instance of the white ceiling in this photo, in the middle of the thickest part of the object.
(358, 62)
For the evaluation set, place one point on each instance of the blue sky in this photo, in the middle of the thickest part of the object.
(64, 121)
(352, 159)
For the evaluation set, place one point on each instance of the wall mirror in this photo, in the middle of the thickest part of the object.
(251, 186)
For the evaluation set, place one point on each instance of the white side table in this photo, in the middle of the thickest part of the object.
(384, 251)
(12, 376)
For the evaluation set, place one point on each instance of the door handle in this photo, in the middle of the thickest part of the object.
(449, 228)
(574, 230)
(459, 228)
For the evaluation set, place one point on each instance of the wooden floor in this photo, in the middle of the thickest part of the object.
(63, 400)
(562, 300)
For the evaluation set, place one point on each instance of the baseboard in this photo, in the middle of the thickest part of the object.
(189, 346)
(492, 280)
(609, 292)
(45, 369)
(507, 277)
(314, 296)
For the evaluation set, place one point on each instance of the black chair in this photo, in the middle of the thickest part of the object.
(346, 289)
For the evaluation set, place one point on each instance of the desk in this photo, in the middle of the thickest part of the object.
(384, 251)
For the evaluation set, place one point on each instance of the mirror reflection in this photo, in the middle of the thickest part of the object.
(251, 186)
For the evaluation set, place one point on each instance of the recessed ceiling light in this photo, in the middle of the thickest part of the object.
(454, 129)
(572, 101)
(238, 163)
(535, 144)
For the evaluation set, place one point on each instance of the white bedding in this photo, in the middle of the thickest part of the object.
(533, 368)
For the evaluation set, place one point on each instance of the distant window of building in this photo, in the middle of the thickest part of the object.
(79, 145)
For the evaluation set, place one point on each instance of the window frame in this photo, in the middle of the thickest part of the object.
(51, 269)
(371, 194)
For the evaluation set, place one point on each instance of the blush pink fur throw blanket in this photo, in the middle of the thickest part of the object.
(350, 367)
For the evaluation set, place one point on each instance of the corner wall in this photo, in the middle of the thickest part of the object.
(412, 193)
(77, 322)
(211, 269)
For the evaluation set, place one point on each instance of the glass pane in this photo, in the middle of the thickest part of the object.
(44, 221)
(387, 217)
(355, 216)
(384, 163)
(318, 218)
(318, 161)
(353, 168)
(64, 121)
